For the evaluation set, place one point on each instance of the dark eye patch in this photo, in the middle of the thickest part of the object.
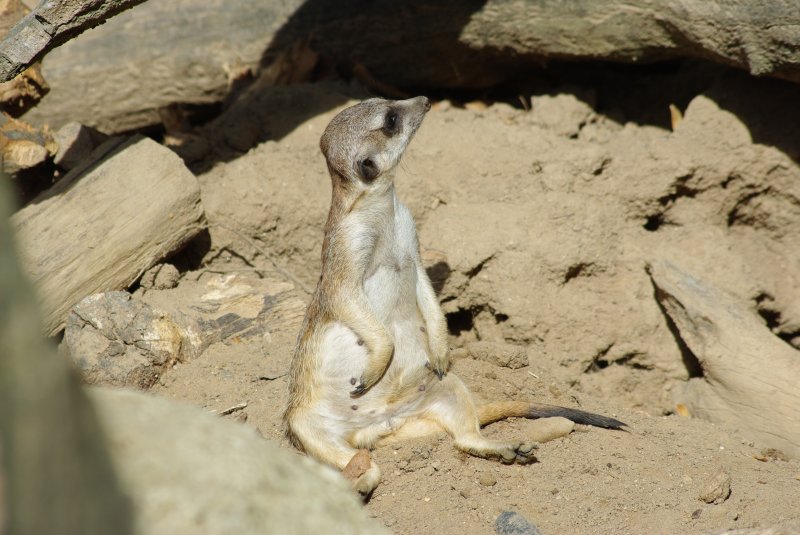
(391, 123)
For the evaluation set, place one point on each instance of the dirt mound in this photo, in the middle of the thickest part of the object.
(538, 225)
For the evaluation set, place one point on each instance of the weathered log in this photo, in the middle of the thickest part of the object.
(50, 25)
(162, 52)
(174, 57)
(106, 222)
(749, 376)
(116, 339)
(52, 448)
(28, 87)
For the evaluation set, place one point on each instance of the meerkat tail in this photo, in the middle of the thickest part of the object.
(499, 410)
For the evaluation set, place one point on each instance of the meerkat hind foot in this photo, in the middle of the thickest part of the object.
(519, 452)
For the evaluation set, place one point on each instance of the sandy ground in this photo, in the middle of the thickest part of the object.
(539, 224)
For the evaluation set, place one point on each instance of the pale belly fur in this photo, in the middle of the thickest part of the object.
(391, 290)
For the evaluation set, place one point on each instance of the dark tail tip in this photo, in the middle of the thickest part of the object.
(577, 416)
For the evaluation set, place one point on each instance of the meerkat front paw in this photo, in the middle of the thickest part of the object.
(377, 362)
(439, 365)
(439, 358)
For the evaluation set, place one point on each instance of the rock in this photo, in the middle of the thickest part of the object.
(105, 222)
(160, 277)
(498, 353)
(547, 429)
(118, 339)
(187, 471)
(52, 440)
(717, 489)
(75, 144)
(487, 480)
(357, 466)
(513, 523)
(23, 146)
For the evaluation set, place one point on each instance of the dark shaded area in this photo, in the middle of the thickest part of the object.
(690, 360)
(459, 321)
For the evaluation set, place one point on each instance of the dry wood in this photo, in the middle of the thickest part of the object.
(750, 376)
(390, 45)
(106, 222)
(49, 25)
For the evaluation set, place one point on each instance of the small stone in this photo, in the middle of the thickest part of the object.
(160, 277)
(513, 523)
(357, 466)
(717, 489)
(547, 429)
(696, 514)
(487, 480)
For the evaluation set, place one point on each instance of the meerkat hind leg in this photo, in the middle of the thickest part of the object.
(452, 407)
(334, 451)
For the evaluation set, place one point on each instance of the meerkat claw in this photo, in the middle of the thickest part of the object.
(358, 391)
(440, 373)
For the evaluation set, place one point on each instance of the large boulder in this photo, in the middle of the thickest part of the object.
(187, 472)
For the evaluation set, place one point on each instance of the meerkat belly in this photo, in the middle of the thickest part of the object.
(382, 409)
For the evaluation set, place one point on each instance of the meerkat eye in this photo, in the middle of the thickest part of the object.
(390, 123)
(367, 169)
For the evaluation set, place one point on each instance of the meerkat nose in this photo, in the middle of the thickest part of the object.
(426, 103)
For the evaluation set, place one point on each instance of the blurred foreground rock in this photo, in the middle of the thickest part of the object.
(189, 472)
(52, 449)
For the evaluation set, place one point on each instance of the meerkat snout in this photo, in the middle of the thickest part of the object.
(365, 142)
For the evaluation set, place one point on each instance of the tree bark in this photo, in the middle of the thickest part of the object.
(106, 222)
(749, 376)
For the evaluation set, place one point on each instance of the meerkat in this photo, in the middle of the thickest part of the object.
(371, 360)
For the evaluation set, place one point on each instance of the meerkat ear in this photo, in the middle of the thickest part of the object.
(368, 170)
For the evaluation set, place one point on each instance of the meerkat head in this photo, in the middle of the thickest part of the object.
(363, 143)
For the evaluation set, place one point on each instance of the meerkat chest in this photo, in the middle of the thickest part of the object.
(391, 280)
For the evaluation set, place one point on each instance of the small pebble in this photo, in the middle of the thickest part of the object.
(696, 514)
(487, 480)
(717, 489)
(513, 523)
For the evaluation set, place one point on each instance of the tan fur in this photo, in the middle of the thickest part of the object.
(371, 359)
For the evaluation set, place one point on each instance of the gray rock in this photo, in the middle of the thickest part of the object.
(513, 523)
(189, 472)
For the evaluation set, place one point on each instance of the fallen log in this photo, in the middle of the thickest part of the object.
(410, 44)
(749, 376)
(22, 92)
(106, 222)
(50, 25)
